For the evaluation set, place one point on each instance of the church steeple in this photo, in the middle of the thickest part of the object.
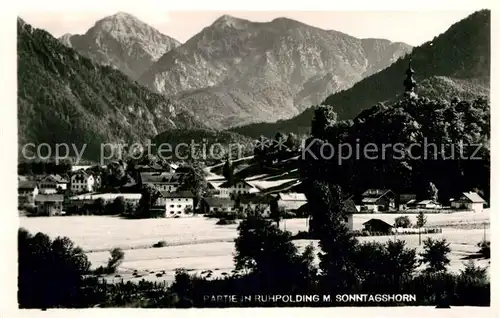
(410, 82)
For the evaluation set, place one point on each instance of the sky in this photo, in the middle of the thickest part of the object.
(411, 27)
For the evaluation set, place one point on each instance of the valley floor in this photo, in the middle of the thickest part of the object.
(198, 244)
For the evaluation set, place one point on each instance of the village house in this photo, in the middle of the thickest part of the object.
(49, 204)
(163, 181)
(349, 208)
(377, 200)
(407, 201)
(89, 198)
(237, 188)
(82, 181)
(255, 202)
(428, 204)
(27, 191)
(176, 204)
(217, 205)
(52, 183)
(377, 225)
(470, 201)
(290, 202)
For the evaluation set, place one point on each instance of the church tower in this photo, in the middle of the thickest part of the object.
(409, 83)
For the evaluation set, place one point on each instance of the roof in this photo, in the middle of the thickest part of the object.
(292, 196)
(406, 198)
(163, 177)
(49, 198)
(217, 201)
(178, 194)
(376, 193)
(56, 178)
(226, 184)
(427, 202)
(349, 206)
(26, 185)
(473, 197)
(107, 196)
(377, 222)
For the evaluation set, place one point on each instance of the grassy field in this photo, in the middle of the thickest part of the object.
(197, 244)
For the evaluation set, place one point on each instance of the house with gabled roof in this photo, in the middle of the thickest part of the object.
(27, 191)
(377, 225)
(255, 202)
(469, 201)
(377, 200)
(217, 205)
(236, 188)
(291, 201)
(49, 204)
(82, 182)
(176, 204)
(52, 183)
(163, 181)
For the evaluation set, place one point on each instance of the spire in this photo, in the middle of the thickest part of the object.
(410, 82)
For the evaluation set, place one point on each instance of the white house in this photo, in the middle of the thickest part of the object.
(177, 204)
(51, 183)
(81, 181)
(214, 205)
(291, 201)
(377, 200)
(428, 204)
(239, 187)
(470, 201)
(27, 191)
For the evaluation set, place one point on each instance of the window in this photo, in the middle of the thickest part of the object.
(171, 205)
(171, 212)
(179, 205)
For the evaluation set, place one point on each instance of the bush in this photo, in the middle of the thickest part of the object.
(160, 244)
(435, 254)
(117, 256)
(402, 221)
(225, 222)
(484, 249)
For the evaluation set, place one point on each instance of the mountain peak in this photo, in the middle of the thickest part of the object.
(228, 21)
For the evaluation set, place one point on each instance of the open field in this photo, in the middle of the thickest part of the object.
(197, 244)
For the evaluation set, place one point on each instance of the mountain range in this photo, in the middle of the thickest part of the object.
(64, 97)
(122, 41)
(236, 71)
(453, 64)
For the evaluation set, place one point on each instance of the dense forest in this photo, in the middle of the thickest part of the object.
(411, 143)
(64, 97)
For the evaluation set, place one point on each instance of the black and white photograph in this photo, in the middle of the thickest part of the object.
(219, 159)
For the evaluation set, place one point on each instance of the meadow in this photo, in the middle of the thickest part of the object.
(198, 244)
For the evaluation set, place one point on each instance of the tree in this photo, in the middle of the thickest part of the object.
(116, 258)
(421, 220)
(435, 255)
(119, 206)
(402, 221)
(432, 192)
(99, 206)
(292, 142)
(149, 196)
(324, 118)
(268, 253)
(50, 272)
(276, 212)
(194, 180)
(228, 171)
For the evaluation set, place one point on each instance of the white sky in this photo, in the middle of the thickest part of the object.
(412, 27)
